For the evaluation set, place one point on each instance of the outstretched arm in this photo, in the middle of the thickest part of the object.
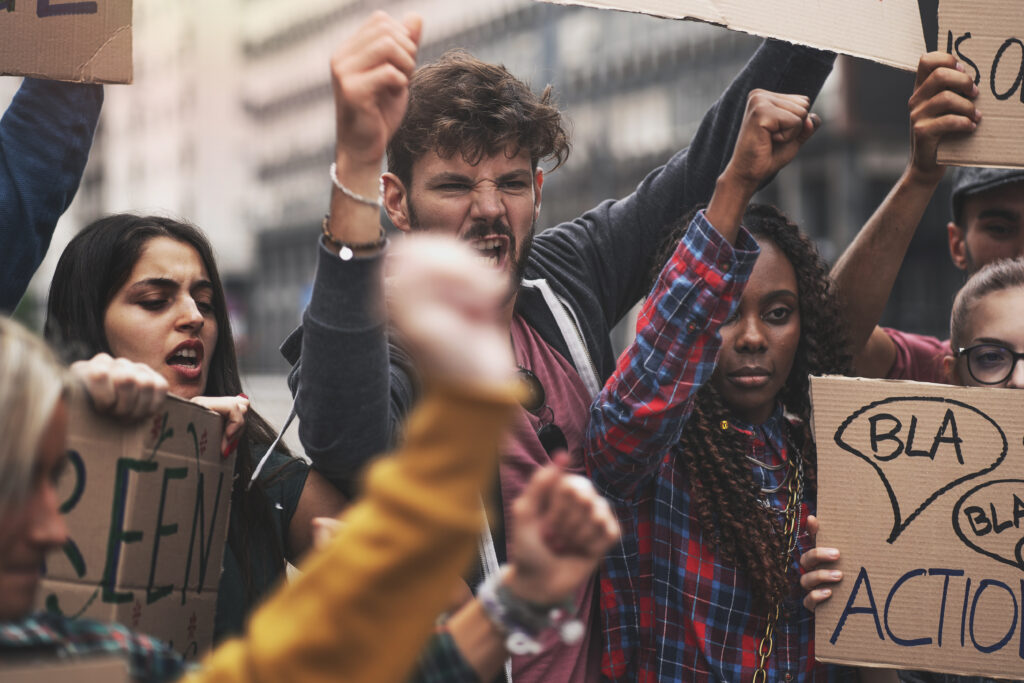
(942, 104)
(350, 396)
(612, 245)
(644, 405)
(45, 137)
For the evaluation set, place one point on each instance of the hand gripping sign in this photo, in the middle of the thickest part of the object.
(147, 506)
(987, 38)
(921, 487)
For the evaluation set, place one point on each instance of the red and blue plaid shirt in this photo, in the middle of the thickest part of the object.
(49, 636)
(671, 609)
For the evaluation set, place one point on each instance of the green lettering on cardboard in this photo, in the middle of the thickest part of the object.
(118, 534)
(205, 541)
(152, 595)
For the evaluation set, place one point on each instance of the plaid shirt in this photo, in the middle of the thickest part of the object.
(672, 610)
(46, 635)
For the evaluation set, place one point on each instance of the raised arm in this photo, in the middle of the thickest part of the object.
(613, 244)
(645, 404)
(45, 137)
(350, 397)
(942, 103)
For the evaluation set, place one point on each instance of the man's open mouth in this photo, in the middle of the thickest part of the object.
(493, 248)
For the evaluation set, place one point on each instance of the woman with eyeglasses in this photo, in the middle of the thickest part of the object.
(987, 328)
(986, 334)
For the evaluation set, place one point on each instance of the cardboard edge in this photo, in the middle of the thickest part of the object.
(981, 163)
(723, 22)
(997, 675)
(119, 40)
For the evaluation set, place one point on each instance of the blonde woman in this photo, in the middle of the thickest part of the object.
(34, 393)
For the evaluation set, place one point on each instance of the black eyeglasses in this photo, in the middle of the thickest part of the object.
(990, 363)
(551, 436)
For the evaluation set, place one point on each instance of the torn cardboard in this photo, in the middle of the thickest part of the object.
(67, 40)
(921, 488)
(81, 670)
(147, 507)
(886, 31)
(987, 37)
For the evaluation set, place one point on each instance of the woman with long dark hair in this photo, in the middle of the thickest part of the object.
(147, 288)
(701, 436)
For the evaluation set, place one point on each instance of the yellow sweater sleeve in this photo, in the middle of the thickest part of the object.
(365, 606)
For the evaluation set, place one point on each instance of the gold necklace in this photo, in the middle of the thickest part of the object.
(795, 491)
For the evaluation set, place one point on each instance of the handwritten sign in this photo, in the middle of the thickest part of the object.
(886, 31)
(921, 487)
(987, 37)
(67, 40)
(147, 508)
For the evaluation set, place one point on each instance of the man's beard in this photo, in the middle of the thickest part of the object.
(519, 257)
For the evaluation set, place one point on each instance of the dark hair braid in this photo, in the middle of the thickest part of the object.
(724, 493)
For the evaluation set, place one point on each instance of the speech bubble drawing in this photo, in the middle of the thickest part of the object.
(989, 519)
(902, 436)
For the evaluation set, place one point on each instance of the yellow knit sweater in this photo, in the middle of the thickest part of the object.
(365, 606)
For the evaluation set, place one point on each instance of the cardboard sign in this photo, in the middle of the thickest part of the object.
(147, 507)
(67, 40)
(886, 31)
(921, 487)
(81, 670)
(987, 37)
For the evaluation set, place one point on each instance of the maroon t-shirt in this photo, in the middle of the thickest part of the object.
(523, 455)
(918, 357)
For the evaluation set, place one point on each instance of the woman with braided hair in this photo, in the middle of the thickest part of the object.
(701, 438)
(724, 488)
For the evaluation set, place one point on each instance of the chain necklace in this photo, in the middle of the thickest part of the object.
(795, 492)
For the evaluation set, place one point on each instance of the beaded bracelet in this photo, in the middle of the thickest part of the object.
(347, 250)
(522, 621)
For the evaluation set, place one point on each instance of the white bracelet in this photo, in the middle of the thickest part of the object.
(522, 621)
(376, 203)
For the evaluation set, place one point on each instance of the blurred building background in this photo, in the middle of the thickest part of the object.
(230, 123)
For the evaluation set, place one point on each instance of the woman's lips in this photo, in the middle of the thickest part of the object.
(27, 576)
(187, 360)
(188, 372)
(750, 378)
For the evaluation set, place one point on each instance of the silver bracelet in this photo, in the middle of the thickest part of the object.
(376, 203)
(522, 621)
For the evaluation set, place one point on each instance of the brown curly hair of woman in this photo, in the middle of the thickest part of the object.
(723, 490)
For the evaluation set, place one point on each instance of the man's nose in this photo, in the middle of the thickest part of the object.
(487, 202)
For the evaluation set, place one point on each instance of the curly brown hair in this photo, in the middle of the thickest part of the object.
(462, 105)
(723, 490)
